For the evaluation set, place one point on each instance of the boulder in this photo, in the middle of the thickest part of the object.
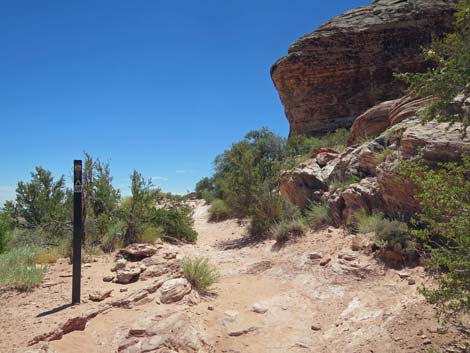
(332, 75)
(363, 195)
(300, 184)
(397, 193)
(137, 252)
(371, 123)
(100, 295)
(439, 142)
(119, 265)
(174, 290)
(125, 276)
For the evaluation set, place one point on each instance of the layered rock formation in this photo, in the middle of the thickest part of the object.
(369, 173)
(334, 74)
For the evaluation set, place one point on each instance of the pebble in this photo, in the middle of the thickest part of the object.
(411, 281)
(315, 328)
(325, 261)
(210, 307)
(259, 308)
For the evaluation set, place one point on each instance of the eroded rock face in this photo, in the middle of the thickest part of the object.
(300, 184)
(346, 66)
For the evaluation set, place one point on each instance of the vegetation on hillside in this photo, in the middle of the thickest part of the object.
(442, 227)
(246, 178)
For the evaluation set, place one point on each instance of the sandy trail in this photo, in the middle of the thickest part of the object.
(352, 304)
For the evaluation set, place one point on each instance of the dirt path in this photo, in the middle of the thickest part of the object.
(349, 304)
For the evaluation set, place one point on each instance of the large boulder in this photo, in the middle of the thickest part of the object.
(371, 123)
(301, 184)
(438, 142)
(332, 75)
(364, 195)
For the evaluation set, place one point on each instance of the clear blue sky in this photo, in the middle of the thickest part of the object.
(161, 86)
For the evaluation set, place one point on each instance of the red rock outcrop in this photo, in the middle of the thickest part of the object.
(334, 74)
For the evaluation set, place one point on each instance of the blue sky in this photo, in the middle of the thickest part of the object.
(160, 86)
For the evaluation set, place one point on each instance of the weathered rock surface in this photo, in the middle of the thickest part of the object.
(169, 331)
(137, 252)
(346, 66)
(174, 290)
(363, 195)
(299, 185)
(384, 115)
(100, 295)
(125, 276)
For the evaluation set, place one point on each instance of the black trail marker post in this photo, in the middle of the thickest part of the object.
(77, 230)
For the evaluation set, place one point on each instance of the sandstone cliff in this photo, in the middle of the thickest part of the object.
(334, 74)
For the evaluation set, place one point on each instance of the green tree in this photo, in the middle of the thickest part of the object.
(42, 200)
(249, 167)
(100, 198)
(443, 226)
(6, 226)
(449, 80)
(136, 210)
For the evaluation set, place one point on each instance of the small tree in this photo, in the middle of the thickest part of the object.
(142, 200)
(41, 200)
(449, 80)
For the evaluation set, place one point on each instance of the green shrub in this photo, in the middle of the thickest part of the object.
(200, 273)
(271, 209)
(317, 215)
(443, 227)
(367, 223)
(395, 235)
(288, 229)
(218, 211)
(343, 184)
(114, 237)
(382, 155)
(150, 234)
(6, 227)
(18, 269)
(176, 222)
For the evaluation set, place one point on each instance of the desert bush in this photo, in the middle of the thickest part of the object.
(200, 273)
(442, 227)
(271, 209)
(176, 221)
(395, 235)
(218, 211)
(150, 234)
(18, 269)
(317, 215)
(288, 229)
(342, 184)
(6, 228)
(367, 223)
(382, 155)
(48, 255)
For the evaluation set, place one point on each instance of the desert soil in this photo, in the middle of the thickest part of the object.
(353, 303)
